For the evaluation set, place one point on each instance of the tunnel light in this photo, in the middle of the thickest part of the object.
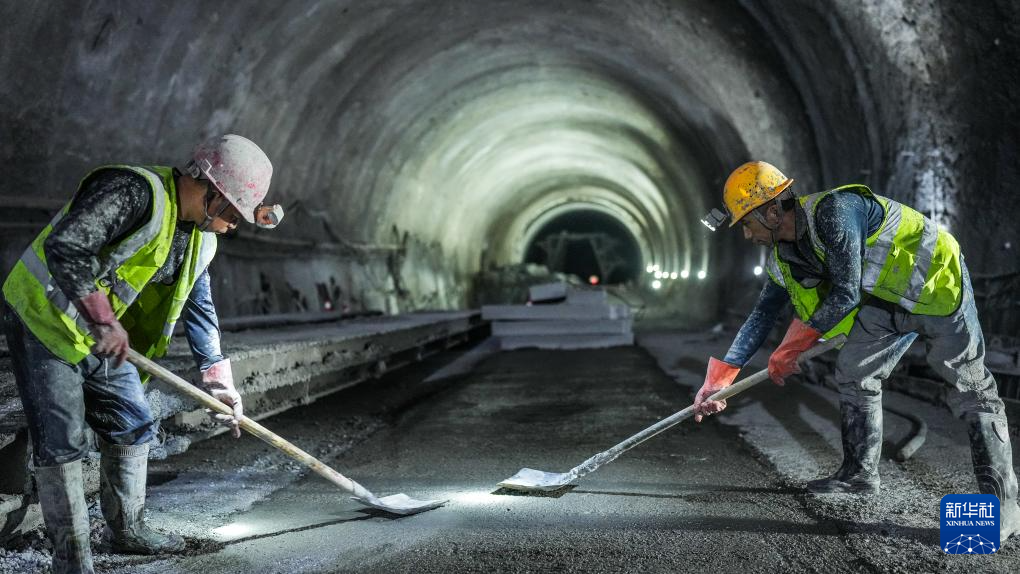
(674, 275)
(658, 274)
(685, 274)
(656, 284)
(655, 267)
(650, 269)
(757, 270)
(702, 274)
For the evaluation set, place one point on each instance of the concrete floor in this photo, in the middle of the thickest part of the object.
(722, 496)
(691, 497)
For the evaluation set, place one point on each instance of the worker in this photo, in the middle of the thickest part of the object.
(117, 267)
(854, 262)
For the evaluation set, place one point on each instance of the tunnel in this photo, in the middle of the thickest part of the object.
(590, 245)
(439, 158)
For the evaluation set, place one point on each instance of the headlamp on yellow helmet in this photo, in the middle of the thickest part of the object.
(749, 187)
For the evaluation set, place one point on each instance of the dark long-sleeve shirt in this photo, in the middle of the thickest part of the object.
(843, 221)
(113, 204)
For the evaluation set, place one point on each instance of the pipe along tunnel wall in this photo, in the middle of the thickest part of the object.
(418, 143)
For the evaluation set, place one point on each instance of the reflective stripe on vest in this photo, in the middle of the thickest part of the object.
(126, 269)
(116, 257)
(38, 269)
(908, 260)
(805, 300)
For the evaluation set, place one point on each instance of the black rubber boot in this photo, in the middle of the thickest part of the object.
(122, 498)
(862, 447)
(62, 498)
(993, 467)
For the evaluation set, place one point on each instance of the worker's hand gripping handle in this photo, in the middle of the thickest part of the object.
(763, 375)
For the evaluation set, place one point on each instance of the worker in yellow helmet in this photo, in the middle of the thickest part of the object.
(854, 262)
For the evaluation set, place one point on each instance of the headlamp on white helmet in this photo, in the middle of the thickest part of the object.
(241, 172)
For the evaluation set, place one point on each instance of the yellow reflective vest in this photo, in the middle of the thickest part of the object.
(908, 260)
(147, 311)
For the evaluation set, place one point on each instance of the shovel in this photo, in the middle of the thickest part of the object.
(395, 503)
(531, 480)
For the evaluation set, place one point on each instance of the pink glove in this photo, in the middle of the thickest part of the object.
(218, 381)
(719, 376)
(783, 362)
(110, 336)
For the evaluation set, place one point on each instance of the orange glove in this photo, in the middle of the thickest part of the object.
(719, 376)
(799, 338)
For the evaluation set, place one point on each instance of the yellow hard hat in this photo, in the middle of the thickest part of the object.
(751, 186)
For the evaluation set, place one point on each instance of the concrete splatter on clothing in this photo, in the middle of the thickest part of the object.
(758, 324)
(843, 221)
(111, 205)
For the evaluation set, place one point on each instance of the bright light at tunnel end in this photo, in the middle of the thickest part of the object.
(757, 270)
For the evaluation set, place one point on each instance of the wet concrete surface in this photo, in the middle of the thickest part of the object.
(722, 496)
(795, 429)
(691, 499)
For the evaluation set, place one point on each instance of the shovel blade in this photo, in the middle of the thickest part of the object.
(529, 479)
(401, 504)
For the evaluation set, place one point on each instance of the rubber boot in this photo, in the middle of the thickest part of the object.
(122, 498)
(861, 427)
(62, 498)
(993, 467)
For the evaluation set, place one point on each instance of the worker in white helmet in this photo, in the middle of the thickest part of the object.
(119, 265)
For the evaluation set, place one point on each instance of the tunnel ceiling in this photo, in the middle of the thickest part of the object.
(468, 124)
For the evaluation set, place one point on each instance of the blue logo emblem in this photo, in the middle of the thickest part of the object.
(969, 524)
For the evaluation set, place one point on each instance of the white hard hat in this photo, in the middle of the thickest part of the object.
(238, 168)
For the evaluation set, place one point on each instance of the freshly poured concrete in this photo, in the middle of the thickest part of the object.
(694, 495)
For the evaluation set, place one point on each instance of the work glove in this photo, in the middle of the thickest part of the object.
(720, 375)
(110, 337)
(783, 362)
(218, 381)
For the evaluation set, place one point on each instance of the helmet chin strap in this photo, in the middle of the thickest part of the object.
(772, 228)
(210, 194)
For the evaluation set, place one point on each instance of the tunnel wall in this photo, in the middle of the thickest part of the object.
(934, 90)
(415, 142)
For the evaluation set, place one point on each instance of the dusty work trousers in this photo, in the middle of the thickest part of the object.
(60, 398)
(955, 349)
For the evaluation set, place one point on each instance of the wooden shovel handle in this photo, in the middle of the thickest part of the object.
(210, 402)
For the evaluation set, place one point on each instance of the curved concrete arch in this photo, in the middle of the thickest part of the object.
(410, 136)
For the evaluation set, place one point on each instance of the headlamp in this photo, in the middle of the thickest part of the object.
(714, 218)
